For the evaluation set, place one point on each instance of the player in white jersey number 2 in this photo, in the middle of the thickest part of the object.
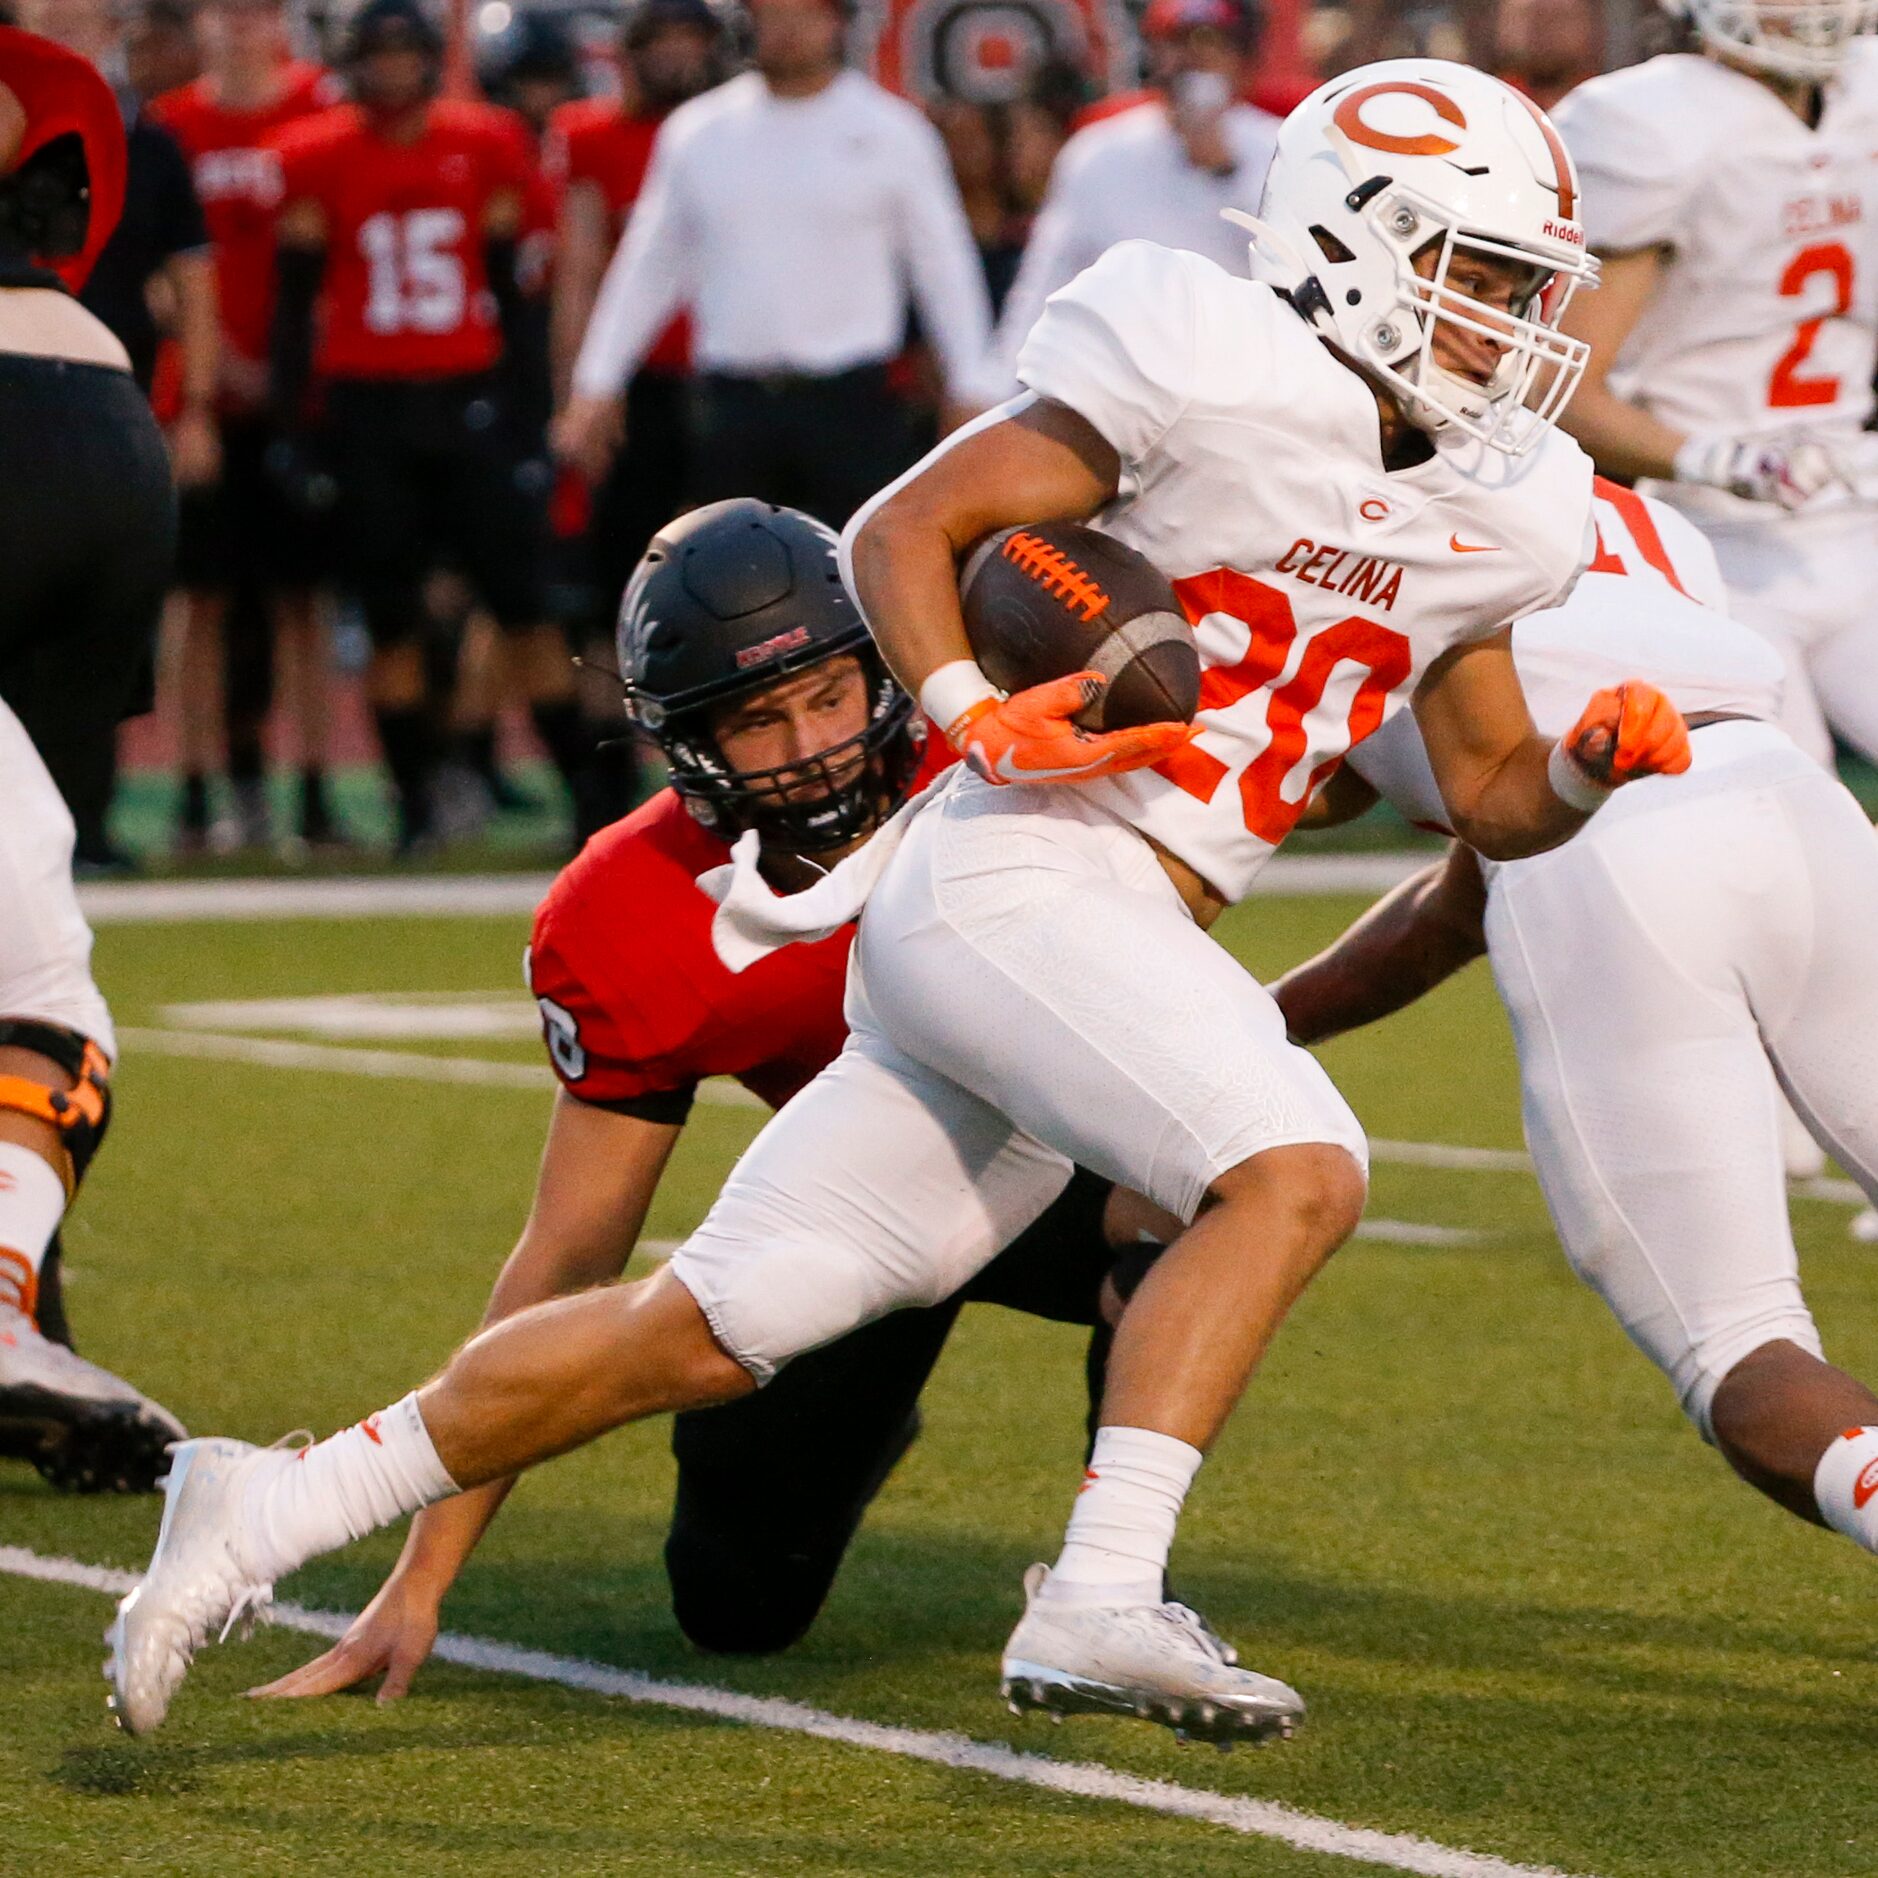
(1732, 196)
(1337, 465)
(1702, 938)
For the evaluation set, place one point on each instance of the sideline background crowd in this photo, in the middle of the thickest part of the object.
(413, 487)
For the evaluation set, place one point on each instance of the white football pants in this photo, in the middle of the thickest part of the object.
(1027, 992)
(1807, 584)
(1704, 935)
(45, 945)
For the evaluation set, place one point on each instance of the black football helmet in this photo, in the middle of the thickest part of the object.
(727, 600)
(392, 26)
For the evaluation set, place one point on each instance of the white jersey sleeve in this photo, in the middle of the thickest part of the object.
(1637, 165)
(1119, 346)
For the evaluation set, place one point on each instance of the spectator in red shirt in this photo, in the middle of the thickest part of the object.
(249, 562)
(597, 151)
(397, 267)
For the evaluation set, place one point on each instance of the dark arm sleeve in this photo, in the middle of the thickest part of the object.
(180, 227)
(524, 321)
(297, 276)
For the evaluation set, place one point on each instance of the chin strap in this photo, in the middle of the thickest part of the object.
(80, 1114)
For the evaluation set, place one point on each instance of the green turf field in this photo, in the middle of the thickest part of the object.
(1533, 1616)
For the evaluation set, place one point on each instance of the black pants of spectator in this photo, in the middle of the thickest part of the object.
(823, 445)
(87, 536)
(242, 538)
(433, 472)
(772, 1487)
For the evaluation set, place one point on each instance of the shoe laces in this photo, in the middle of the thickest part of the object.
(1195, 1630)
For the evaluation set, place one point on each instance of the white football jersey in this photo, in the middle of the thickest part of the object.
(1766, 318)
(1649, 606)
(1321, 586)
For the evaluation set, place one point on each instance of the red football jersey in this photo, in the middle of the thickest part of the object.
(637, 1008)
(407, 288)
(237, 177)
(594, 141)
(635, 1005)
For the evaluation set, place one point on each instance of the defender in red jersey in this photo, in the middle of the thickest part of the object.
(597, 150)
(248, 561)
(398, 286)
(808, 740)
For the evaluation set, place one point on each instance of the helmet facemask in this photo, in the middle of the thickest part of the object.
(1539, 366)
(817, 802)
(1806, 39)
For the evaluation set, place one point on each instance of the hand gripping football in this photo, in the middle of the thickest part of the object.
(1043, 601)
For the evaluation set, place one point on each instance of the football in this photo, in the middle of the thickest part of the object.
(1043, 601)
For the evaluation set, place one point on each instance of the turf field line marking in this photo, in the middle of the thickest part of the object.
(1416, 1232)
(1088, 1780)
(472, 896)
(720, 1091)
(393, 1065)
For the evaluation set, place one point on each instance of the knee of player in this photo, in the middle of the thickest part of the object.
(1318, 1191)
(55, 1094)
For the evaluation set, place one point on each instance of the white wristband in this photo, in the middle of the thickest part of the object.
(1573, 784)
(952, 690)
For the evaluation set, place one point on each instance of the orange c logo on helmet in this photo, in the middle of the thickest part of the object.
(1349, 119)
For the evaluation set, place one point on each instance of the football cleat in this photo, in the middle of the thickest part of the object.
(86, 1430)
(1157, 1662)
(198, 1584)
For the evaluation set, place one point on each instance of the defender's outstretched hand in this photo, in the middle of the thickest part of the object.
(1626, 732)
(392, 1636)
(1029, 737)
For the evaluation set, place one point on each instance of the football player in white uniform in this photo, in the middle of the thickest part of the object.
(81, 1426)
(1338, 466)
(1703, 939)
(1732, 196)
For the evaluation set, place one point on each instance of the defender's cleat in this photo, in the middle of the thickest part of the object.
(84, 1429)
(1159, 1662)
(199, 1584)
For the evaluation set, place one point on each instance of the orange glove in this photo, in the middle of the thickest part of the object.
(1629, 731)
(1028, 737)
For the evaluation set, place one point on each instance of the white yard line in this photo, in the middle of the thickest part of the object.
(166, 902)
(486, 1072)
(1088, 1780)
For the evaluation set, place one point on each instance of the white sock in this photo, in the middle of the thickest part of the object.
(32, 1202)
(342, 1488)
(1115, 1551)
(1845, 1484)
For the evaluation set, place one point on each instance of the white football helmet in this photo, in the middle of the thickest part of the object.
(1420, 157)
(1789, 38)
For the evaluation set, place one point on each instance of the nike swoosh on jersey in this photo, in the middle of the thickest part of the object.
(1471, 547)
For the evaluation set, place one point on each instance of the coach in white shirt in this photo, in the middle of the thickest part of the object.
(1159, 171)
(794, 211)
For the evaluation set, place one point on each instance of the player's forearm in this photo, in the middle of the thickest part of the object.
(1035, 462)
(1512, 809)
(903, 565)
(1625, 441)
(198, 328)
(443, 1536)
(1407, 943)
